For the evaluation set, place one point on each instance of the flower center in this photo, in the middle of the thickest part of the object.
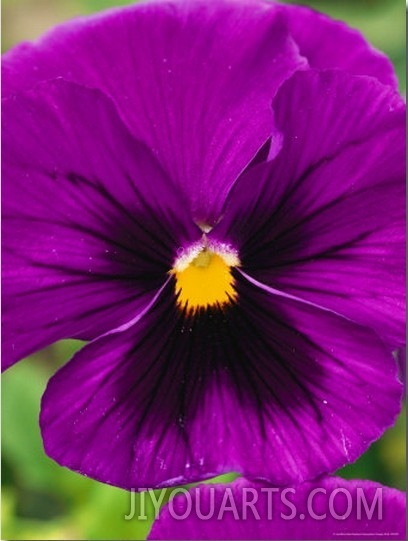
(203, 277)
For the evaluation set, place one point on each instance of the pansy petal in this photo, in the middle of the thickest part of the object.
(91, 223)
(200, 98)
(256, 388)
(328, 43)
(325, 220)
(402, 364)
(328, 508)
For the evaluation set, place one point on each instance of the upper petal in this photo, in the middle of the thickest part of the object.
(193, 80)
(328, 508)
(325, 220)
(327, 43)
(91, 224)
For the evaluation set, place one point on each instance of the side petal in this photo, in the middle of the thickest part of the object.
(193, 80)
(402, 364)
(272, 388)
(91, 223)
(325, 220)
(327, 43)
(328, 508)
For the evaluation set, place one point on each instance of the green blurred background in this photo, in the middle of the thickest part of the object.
(44, 501)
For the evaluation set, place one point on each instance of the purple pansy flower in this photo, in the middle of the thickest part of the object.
(193, 188)
(328, 508)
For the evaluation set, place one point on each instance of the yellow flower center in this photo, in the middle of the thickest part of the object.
(204, 278)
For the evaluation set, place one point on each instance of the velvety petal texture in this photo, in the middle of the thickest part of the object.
(192, 79)
(402, 363)
(325, 220)
(257, 388)
(344, 48)
(328, 508)
(91, 223)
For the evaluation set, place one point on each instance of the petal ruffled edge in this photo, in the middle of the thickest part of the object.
(328, 508)
(329, 43)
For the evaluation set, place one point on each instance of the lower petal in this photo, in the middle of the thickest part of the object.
(270, 387)
(328, 508)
